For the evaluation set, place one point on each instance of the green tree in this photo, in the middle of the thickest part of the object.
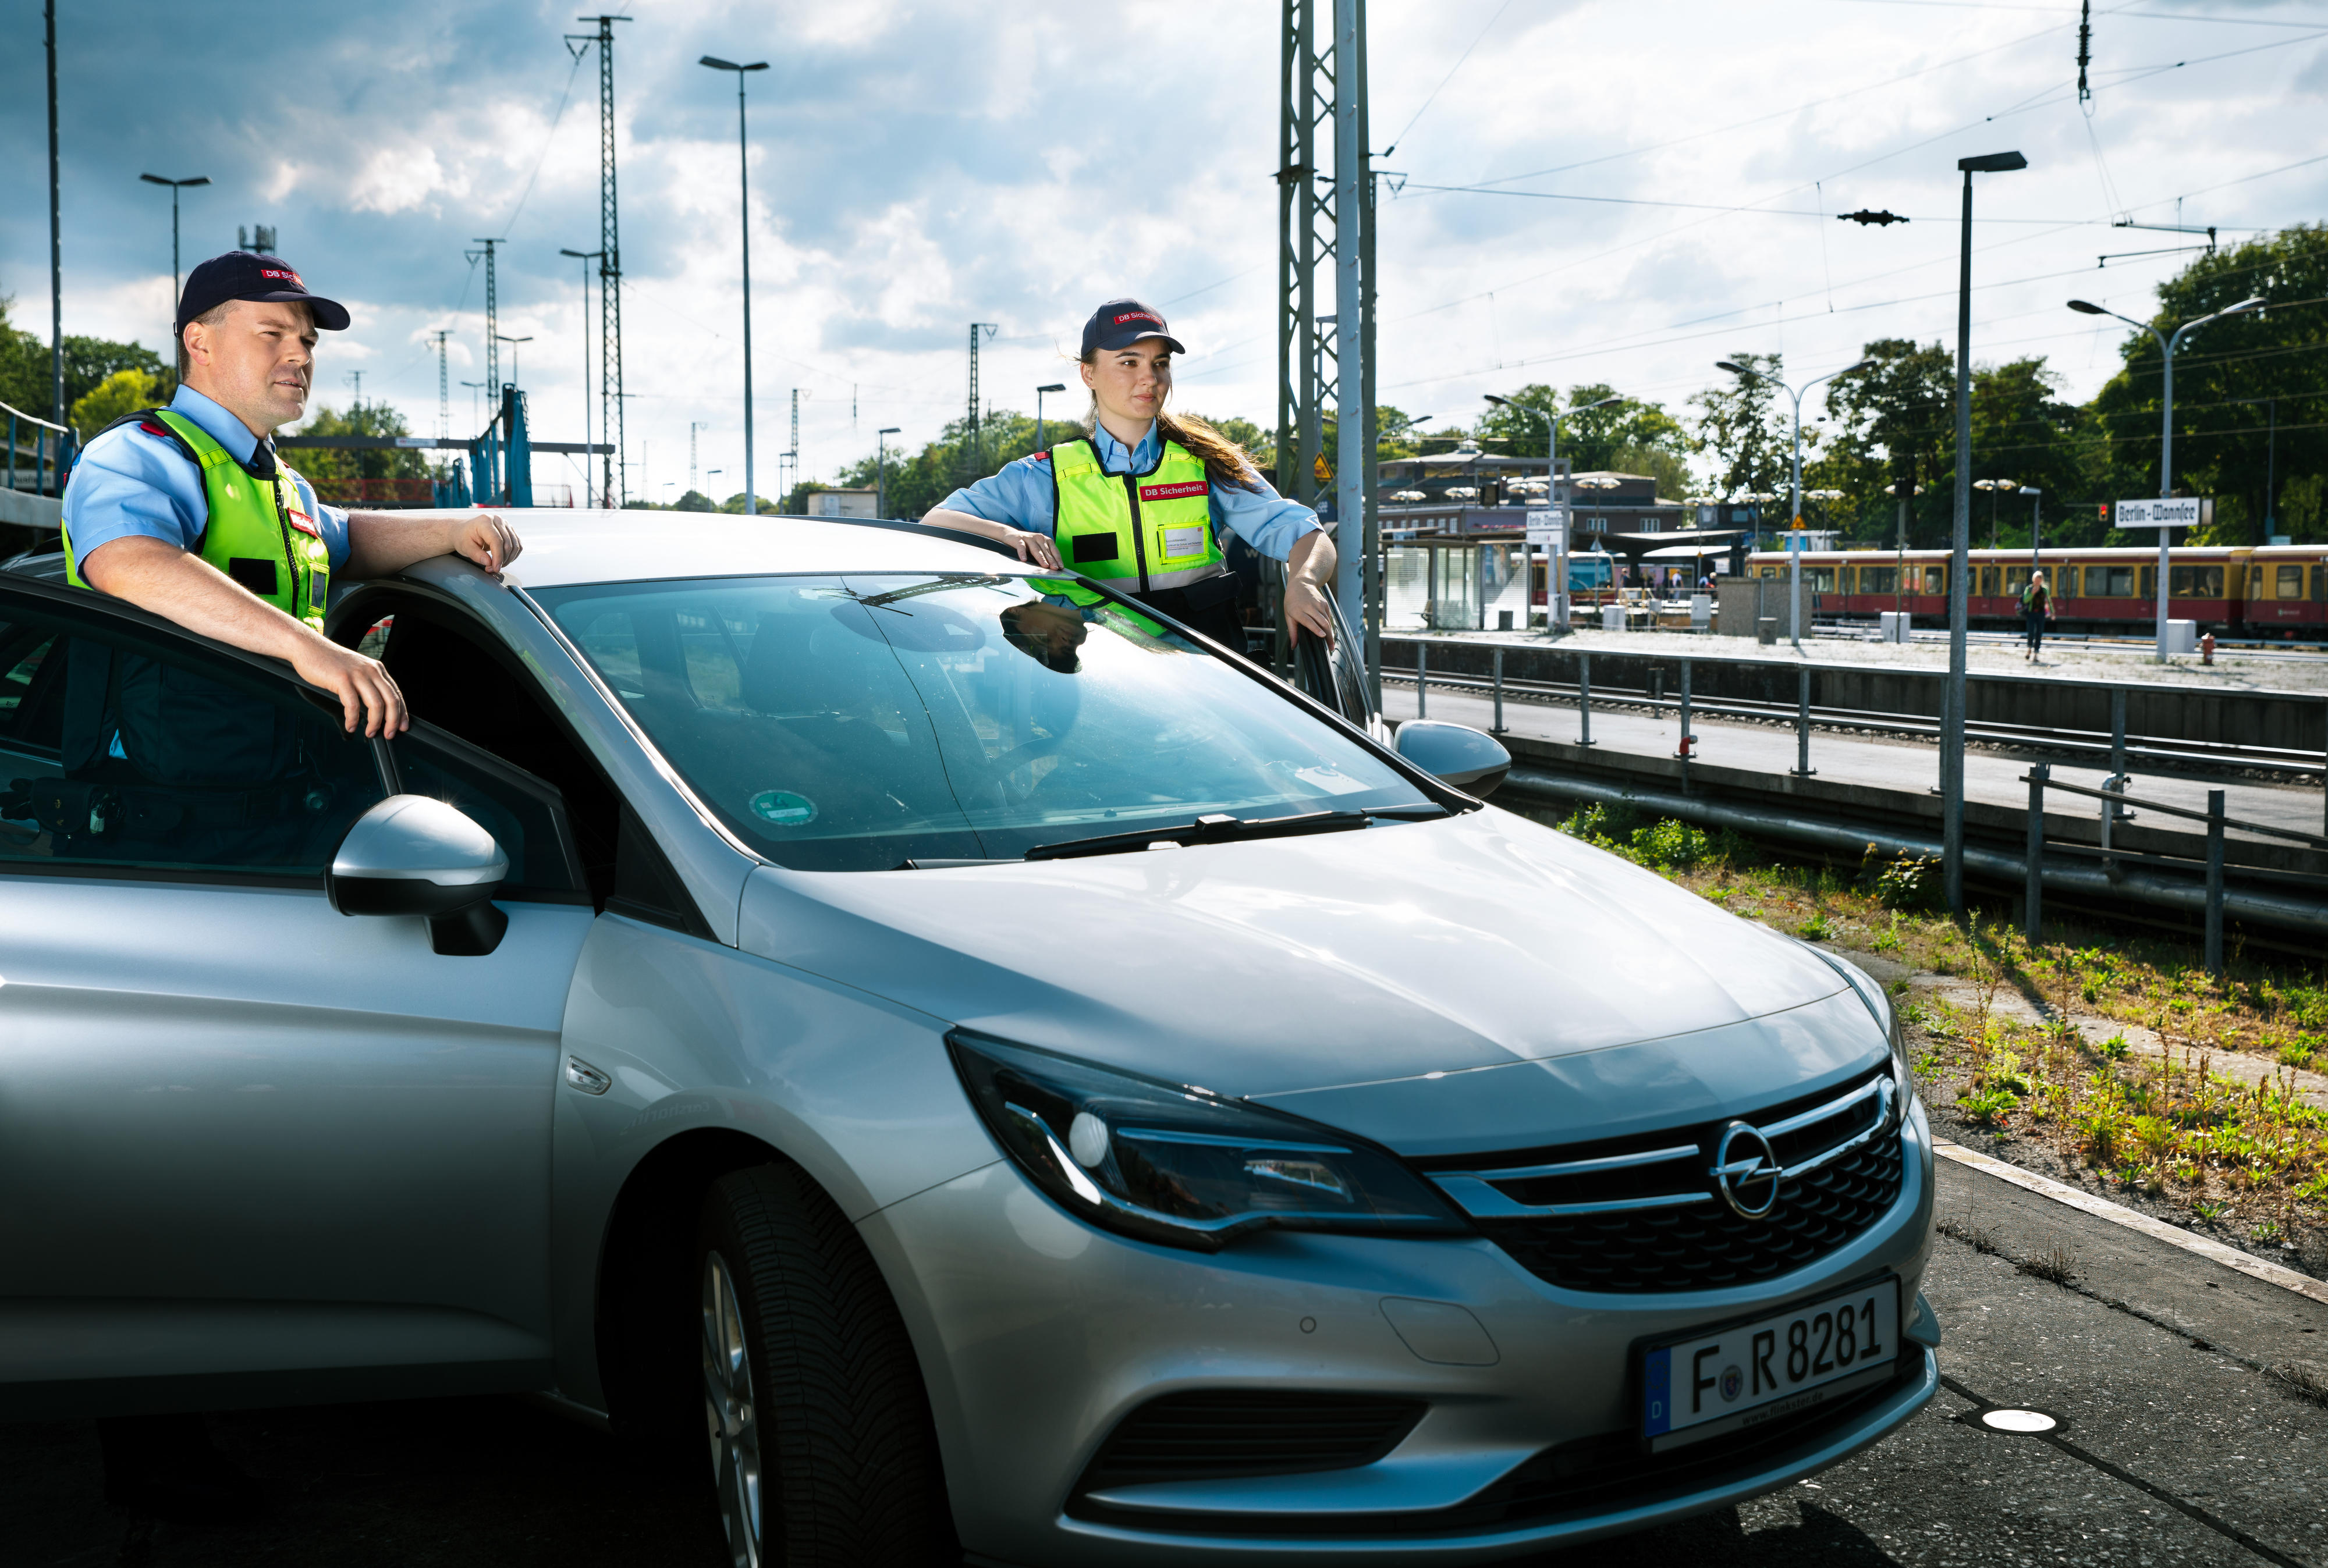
(2226, 375)
(694, 502)
(1749, 432)
(25, 373)
(1890, 425)
(124, 392)
(324, 464)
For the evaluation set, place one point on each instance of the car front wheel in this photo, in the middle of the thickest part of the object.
(821, 1446)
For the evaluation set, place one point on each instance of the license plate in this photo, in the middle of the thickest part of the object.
(1756, 1372)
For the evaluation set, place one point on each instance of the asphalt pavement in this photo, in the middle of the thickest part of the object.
(2186, 1438)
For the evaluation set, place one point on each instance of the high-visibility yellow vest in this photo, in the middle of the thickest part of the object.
(257, 533)
(1145, 532)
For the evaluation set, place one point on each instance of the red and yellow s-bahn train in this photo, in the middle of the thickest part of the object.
(2274, 591)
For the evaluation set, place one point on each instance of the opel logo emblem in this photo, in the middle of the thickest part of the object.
(1746, 1171)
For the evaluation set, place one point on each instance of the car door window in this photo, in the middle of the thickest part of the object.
(123, 748)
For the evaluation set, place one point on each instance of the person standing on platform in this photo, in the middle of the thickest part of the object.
(2036, 608)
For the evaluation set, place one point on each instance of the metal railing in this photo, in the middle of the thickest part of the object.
(2120, 751)
(2113, 804)
(52, 449)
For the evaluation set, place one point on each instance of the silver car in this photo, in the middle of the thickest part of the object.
(1007, 1080)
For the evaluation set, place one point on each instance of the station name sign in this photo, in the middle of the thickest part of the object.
(1547, 527)
(2178, 512)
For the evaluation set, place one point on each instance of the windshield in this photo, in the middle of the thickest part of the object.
(853, 724)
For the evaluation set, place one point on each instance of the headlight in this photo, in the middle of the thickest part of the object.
(1180, 1165)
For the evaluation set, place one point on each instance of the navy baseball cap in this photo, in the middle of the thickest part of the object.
(1120, 324)
(242, 275)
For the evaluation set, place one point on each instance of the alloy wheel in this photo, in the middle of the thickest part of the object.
(729, 1413)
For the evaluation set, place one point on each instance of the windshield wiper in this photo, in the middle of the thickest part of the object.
(1219, 827)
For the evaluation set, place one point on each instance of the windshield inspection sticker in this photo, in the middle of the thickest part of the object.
(782, 808)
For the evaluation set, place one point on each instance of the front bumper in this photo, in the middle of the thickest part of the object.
(1039, 1334)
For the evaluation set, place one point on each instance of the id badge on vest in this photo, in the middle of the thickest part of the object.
(1179, 542)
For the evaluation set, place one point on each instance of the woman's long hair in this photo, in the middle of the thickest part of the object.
(1226, 462)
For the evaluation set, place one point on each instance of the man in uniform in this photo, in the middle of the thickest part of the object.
(186, 511)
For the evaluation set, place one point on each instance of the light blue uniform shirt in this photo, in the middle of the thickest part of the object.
(1022, 496)
(129, 482)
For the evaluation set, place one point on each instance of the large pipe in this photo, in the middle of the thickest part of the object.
(1992, 865)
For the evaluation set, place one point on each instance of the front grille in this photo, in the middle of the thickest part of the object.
(1705, 1247)
(1641, 1214)
(1215, 1432)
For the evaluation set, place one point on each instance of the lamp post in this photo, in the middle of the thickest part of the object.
(515, 379)
(1054, 387)
(2036, 506)
(1952, 703)
(175, 186)
(743, 184)
(1794, 552)
(881, 470)
(585, 256)
(1555, 595)
(1994, 487)
(2166, 347)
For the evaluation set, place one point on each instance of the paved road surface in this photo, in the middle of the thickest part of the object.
(2160, 1387)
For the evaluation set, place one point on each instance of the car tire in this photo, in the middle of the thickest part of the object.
(823, 1450)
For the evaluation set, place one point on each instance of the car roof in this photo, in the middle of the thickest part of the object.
(568, 545)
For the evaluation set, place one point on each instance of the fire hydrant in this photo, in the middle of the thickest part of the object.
(2207, 648)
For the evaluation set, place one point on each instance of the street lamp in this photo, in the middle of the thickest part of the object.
(2036, 505)
(1054, 387)
(881, 468)
(585, 256)
(515, 379)
(743, 184)
(1993, 486)
(1952, 703)
(1794, 552)
(1556, 608)
(175, 186)
(2166, 347)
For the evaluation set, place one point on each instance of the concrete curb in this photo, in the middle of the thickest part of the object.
(2061, 1192)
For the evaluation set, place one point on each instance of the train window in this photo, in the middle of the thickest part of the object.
(2016, 582)
(2109, 581)
(2255, 583)
(2290, 585)
(1821, 579)
(1879, 579)
(2319, 583)
(1936, 579)
(2195, 582)
(2149, 589)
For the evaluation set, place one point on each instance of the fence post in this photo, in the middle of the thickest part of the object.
(2110, 819)
(1686, 736)
(12, 449)
(1421, 680)
(1585, 699)
(1499, 691)
(1802, 724)
(2119, 776)
(2033, 914)
(2215, 883)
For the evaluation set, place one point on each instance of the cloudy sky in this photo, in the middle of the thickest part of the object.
(1646, 186)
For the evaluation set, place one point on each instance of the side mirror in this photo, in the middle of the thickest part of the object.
(1469, 759)
(412, 855)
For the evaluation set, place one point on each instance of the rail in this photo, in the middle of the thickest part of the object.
(2040, 779)
(2119, 749)
(61, 438)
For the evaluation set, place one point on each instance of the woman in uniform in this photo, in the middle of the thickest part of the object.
(1142, 500)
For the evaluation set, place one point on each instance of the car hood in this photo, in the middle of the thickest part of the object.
(1321, 972)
